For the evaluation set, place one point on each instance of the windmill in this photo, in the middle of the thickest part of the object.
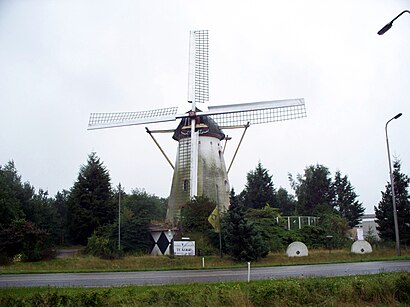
(200, 167)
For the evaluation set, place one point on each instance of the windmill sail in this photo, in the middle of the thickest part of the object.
(198, 75)
(198, 92)
(257, 112)
(111, 120)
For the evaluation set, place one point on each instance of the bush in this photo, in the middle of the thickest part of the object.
(195, 214)
(313, 236)
(101, 246)
(24, 238)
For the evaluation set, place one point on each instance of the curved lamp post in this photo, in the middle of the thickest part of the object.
(390, 24)
(396, 225)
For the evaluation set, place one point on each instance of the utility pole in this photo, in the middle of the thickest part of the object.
(119, 220)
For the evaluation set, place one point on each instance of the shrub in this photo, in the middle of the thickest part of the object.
(24, 238)
(101, 246)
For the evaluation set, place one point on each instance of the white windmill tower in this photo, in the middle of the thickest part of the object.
(200, 168)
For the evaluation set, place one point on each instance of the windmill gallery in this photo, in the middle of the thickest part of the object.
(200, 168)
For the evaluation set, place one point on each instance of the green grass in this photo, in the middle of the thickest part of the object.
(386, 289)
(84, 263)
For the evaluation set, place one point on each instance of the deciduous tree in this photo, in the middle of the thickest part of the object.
(285, 201)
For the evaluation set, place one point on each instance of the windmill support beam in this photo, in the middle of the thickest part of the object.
(227, 138)
(234, 126)
(160, 148)
(162, 131)
(237, 148)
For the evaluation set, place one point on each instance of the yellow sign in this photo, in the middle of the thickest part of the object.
(213, 219)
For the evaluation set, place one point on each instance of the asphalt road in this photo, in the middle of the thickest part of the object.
(191, 276)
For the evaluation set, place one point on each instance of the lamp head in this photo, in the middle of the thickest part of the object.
(398, 115)
(385, 28)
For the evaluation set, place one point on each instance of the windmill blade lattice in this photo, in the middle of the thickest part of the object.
(257, 112)
(198, 86)
(111, 120)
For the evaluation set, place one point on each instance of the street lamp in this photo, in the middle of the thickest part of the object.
(390, 24)
(396, 225)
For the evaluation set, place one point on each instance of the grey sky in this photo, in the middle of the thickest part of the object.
(61, 60)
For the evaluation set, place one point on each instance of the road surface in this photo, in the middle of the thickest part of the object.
(191, 276)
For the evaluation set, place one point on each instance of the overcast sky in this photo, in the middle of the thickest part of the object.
(62, 60)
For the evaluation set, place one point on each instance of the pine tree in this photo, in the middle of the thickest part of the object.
(313, 190)
(345, 200)
(241, 238)
(384, 211)
(259, 189)
(90, 203)
(10, 185)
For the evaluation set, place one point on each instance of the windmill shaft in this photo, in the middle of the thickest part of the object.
(194, 160)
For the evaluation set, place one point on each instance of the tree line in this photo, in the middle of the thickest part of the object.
(32, 222)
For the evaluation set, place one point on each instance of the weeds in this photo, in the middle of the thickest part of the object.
(386, 289)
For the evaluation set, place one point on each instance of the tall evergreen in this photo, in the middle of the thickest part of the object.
(346, 200)
(61, 206)
(10, 186)
(313, 190)
(90, 203)
(242, 240)
(384, 210)
(259, 189)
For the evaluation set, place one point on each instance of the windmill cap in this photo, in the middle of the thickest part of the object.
(204, 124)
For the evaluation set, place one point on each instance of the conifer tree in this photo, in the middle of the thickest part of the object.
(241, 238)
(259, 190)
(384, 211)
(313, 190)
(90, 203)
(346, 200)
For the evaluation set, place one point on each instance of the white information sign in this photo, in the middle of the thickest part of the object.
(360, 234)
(184, 248)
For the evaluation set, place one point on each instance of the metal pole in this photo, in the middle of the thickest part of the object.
(396, 224)
(172, 223)
(119, 220)
(219, 221)
(237, 148)
(160, 148)
(390, 24)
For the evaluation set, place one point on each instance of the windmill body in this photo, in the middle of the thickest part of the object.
(200, 167)
(212, 179)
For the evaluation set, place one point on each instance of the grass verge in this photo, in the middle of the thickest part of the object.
(391, 289)
(140, 263)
